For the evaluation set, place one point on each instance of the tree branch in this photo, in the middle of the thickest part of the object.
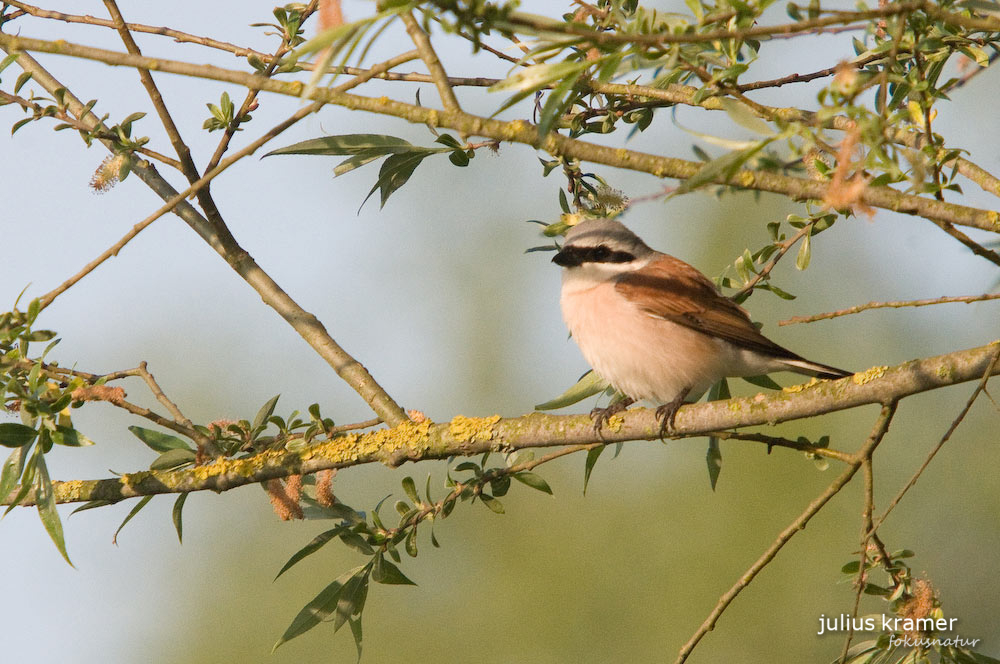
(464, 436)
(893, 305)
(220, 239)
(522, 132)
(877, 434)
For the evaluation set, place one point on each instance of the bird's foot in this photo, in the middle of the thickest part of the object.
(602, 415)
(668, 412)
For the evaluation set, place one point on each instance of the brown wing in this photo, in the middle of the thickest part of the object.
(670, 289)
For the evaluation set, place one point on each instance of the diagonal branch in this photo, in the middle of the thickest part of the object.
(878, 433)
(220, 239)
(440, 77)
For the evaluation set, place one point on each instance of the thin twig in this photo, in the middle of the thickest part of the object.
(431, 61)
(775, 441)
(971, 244)
(951, 429)
(892, 305)
(783, 248)
(36, 109)
(251, 96)
(522, 132)
(878, 432)
(204, 442)
(113, 250)
(217, 235)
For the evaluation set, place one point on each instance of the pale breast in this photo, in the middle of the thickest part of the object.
(642, 356)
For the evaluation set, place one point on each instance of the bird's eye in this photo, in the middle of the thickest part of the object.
(601, 254)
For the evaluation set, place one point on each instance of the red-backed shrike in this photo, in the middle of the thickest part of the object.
(656, 328)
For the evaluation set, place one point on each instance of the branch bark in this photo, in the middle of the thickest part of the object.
(464, 436)
(520, 131)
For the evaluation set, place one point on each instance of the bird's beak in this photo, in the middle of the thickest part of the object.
(564, 258)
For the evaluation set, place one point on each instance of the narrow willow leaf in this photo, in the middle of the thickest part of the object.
(135, 510)
(722, 168)
(70, 437)
(348, 144)
(805, 253)
(319, 609)
(536, 77)
(177, 514)
(589, 385)
(159, 441)
(27, 478)
(46, 502)
(762, 381)
(533, 480)
(411, 543)
(492, 503)
(355, 624)
(744, 116)
(172, 459)
(312, 547)
(387, 573)
(395, 172)
(357, 542)
(265, 412)
(592, 457)
(713, 456)
(91, 505)
(410, 488)
(11, 472)
(352, 598)
(13, 434)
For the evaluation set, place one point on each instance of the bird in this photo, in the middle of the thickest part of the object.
(654, 327)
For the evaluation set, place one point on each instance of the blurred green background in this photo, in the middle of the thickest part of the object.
(435, 295)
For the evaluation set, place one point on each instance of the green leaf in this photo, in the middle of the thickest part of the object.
(355, 623)
(491, 502)
(388, 573)
(533, 480)
(265, 412)
(46, 502)
(312, 547)
(352, 598)
(135, 510)
(159, 441)
(70, 437)
(348, 144)
(762, 381)
(319, 609)
(535, 77)
(357, 542)
(12, 468)
(92, 504)
(411, 489)
(176, 515)
(744, 116)
(713, 456)
(592, 457)
(13, 434)
(27, 478)
(589, 385)
(395, 172)
(172, 459)
(411, 543)
(720, 169)
(356, 161)
(805, 253)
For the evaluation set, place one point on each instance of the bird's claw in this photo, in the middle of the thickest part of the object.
(667, 413)
(602, 415)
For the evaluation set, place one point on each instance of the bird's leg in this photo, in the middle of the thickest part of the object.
(602, 415)
(668, 411)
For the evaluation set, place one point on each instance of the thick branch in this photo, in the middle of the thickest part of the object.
(522, 132)
(410, 441)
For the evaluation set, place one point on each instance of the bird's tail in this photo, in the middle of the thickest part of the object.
(804, 366)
